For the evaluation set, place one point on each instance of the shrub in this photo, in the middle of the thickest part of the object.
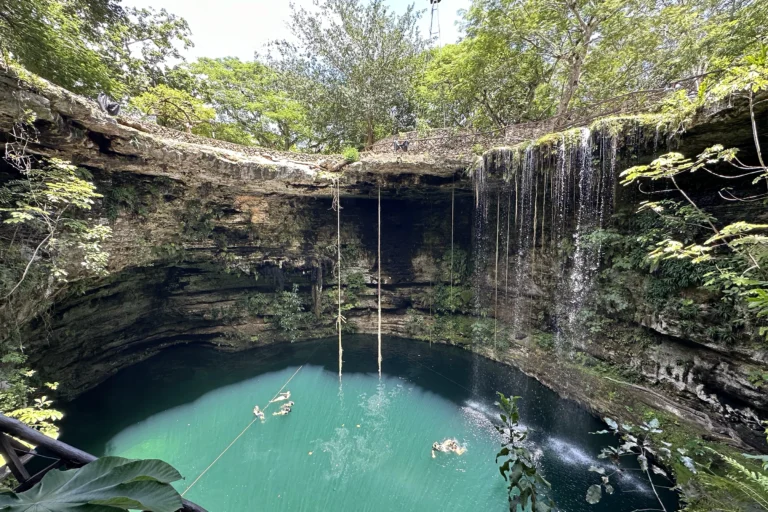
(351, 155)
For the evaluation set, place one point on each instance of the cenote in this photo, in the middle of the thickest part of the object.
(351, 444)
(402, 232)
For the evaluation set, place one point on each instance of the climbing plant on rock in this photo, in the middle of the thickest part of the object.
(740, 248)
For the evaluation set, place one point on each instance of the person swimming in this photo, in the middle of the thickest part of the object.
(448, 445)
(258, 413)
(282, 412)
(281, 396)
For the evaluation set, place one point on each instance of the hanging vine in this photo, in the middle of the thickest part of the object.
(336, 206)
(496, 273)
(378, 280)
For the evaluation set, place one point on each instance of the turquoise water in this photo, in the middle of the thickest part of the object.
(359, 445)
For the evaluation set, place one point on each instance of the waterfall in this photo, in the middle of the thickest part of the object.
(526, 171)
(480, 243)
(563, 192)
(595, 193)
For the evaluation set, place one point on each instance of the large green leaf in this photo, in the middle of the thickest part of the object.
(105, 485)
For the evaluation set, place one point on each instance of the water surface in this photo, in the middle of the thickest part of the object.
(359, 445)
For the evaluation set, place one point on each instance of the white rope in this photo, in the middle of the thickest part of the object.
(240, 434)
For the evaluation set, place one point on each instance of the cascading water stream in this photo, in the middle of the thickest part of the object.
(577, 172)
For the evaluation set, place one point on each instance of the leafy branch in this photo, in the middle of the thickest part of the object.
(527, 488)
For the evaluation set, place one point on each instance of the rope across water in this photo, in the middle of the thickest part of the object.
(241, 433)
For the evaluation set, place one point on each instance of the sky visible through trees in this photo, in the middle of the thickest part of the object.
(344, 73)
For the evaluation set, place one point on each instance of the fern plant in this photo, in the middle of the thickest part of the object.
(748, 485)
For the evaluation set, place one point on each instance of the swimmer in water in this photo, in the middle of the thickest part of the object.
(282, 412)
(448, 445)
(281, 396)
(258, 413)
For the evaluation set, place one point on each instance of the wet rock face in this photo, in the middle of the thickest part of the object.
(183, 275)
(709, 378)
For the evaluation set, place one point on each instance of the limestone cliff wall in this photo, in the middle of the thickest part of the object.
(209, 241)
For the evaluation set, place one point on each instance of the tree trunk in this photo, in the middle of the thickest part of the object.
(369, 135)
(574, 76)
(576, 62)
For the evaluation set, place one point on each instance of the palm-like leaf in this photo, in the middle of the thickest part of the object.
(107, 484)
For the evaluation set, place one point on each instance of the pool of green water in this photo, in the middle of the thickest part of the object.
(359, 444)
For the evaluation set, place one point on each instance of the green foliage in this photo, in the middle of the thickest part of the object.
(351, 155)
(122, 197)
(250, 101)
(352, 62)
(108, 483)
(544, 340)
(354, 285)
(737, 252)
(90, 46)
(747, 486)
(527, 488)
(574, 53)
(482, 330)
(138, 45)
(288, 313)
(451, 300)
(173, 108)
(39, 416)
(170, 251)
(19, 398)
(638, 443)
(256, 304)
(197, 218)
(758, 378)
(471, 82)
(45, 203)
(50, 38)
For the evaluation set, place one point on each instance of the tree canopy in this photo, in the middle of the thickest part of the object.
(358, 61)
(90, 46)
(354, 70)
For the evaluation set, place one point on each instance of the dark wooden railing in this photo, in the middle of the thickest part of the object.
(17, 456)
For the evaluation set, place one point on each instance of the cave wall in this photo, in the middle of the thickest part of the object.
(184, 271)
(208, 244)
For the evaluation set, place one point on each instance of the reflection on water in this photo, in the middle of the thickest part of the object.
(359, 445)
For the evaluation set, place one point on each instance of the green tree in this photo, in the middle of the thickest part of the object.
(577, 52)
(471, 84)
(89, 46)
(250, 103)
(137, 46)
(352, 63)
(173, 108)
(51, 38)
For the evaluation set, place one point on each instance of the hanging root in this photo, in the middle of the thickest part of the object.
(378, 281)
(336, 205)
